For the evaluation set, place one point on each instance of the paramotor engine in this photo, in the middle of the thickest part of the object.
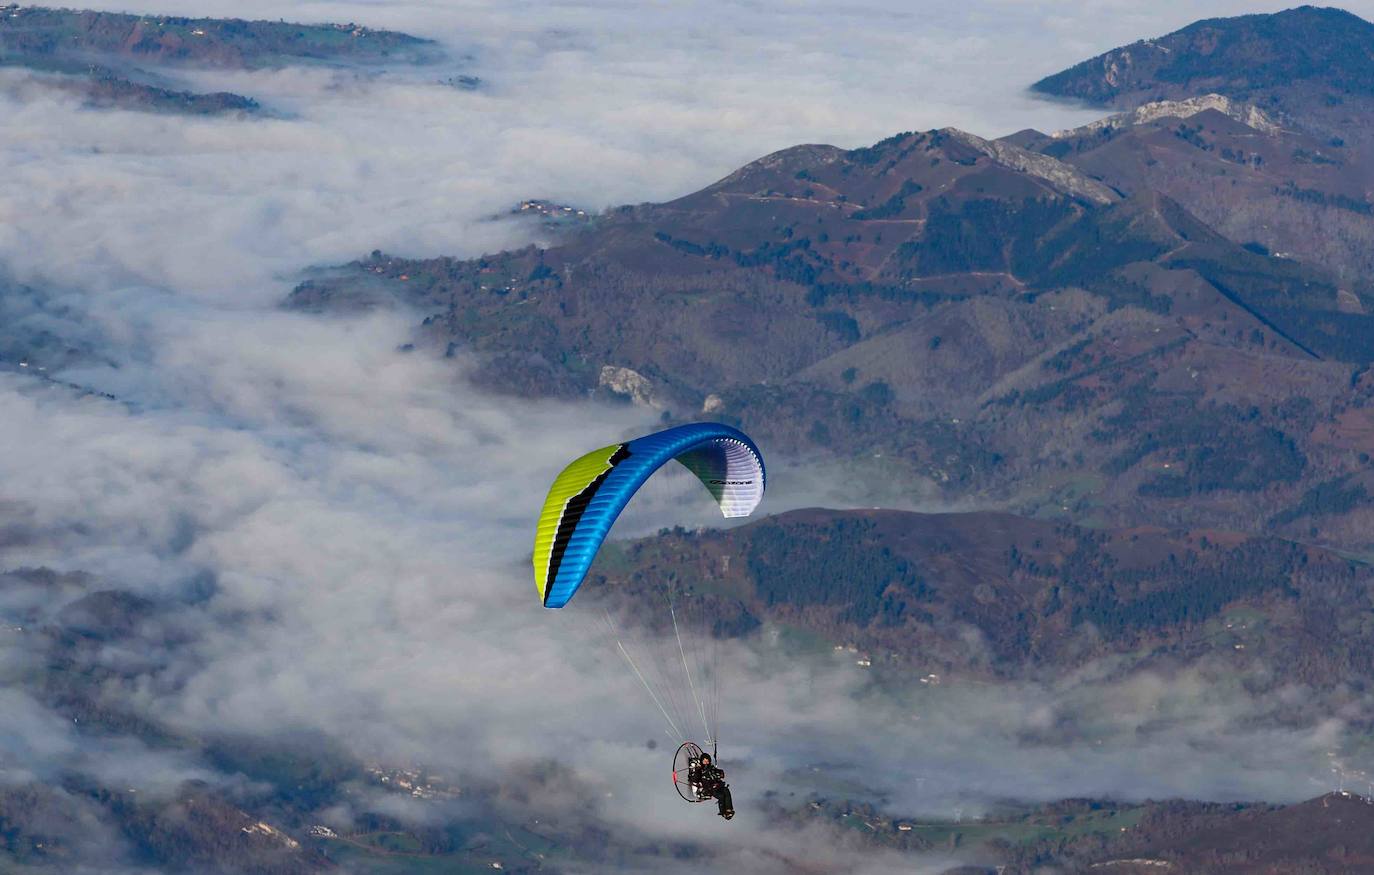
(685, 764)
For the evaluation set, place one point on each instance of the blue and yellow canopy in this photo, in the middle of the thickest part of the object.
(591, 492)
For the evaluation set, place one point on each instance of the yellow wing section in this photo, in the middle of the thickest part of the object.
(574, 479)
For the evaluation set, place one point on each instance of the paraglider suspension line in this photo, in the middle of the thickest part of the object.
(650, 690)
(701, 709)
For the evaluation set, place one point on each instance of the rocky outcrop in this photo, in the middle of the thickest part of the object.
(1053, 171)
(1245, 113)
(628, 383)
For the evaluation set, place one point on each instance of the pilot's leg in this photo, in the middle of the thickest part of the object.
(725, 804)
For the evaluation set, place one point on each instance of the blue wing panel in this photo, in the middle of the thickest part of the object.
(645, 456)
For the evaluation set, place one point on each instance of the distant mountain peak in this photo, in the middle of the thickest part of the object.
(803, 157)
(892, 154)
(1236, 57)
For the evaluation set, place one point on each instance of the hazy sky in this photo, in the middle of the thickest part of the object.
(365, 515)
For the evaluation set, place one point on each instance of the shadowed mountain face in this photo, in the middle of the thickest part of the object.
(1308, 69)
(1260, 125)
(989, 320)
(1329, 834)
(997, 595)
(1323, 48)
(1238, 170)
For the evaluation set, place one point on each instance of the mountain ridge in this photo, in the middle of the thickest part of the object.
(992, 323)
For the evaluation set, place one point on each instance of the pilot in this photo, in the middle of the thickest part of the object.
(709, 781)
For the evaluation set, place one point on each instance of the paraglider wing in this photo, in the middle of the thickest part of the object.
(591, 492)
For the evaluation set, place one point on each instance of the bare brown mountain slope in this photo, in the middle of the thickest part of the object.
(1250, 179)
(988, 321)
